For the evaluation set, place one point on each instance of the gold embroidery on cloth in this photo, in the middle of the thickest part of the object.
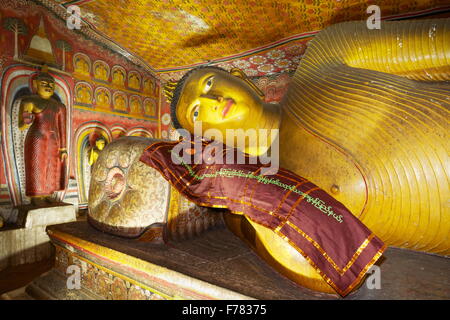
(285, 220)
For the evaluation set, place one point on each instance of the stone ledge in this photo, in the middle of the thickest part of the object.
(217, 265)
(26, 241)
(45, 216)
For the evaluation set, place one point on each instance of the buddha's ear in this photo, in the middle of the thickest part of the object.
(240, 74)
(169, 89)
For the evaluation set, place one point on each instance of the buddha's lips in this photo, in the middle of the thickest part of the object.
(227, 107)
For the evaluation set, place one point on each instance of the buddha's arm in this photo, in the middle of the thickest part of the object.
(93, 155)
(418, 50)
(25, 107)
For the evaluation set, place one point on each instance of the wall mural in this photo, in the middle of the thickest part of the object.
(81, 64)
(106, 96)
(118, 76)
(249, 38)
(105, 84)
(101, 71)
(118, 131)
(86, 138)
(17, 88)
(265, 62)
(113, 89)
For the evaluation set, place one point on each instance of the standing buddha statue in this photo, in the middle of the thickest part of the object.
(45, 146)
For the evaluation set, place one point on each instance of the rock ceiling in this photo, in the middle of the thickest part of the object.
(175, 34)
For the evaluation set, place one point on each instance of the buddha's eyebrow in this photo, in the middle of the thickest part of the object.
(207, 77)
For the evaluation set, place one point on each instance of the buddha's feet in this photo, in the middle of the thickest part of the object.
(130, 199)
(39, 201)
(278, 253)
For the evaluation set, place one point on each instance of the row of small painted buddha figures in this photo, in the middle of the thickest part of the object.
(120, 101)
(118, 76)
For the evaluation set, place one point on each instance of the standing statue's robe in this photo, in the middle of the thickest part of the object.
(44, 169)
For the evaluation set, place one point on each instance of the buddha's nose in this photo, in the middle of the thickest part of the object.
(213, 97)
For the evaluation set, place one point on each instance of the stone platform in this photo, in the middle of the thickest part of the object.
(23, 239)
(216, 265)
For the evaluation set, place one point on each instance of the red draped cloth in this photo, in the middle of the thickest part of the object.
(339, 246)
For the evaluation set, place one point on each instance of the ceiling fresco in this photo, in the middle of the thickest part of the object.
(171, 35)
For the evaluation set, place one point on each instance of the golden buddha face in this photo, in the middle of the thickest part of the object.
(100, 144)
(219, 100)
(45, 88)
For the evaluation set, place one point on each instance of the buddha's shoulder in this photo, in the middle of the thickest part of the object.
(29, 98)
(36, 99)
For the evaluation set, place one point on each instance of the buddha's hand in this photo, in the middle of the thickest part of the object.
(26, 115)
(26, 120)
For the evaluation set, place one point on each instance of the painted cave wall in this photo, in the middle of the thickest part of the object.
(107, 95)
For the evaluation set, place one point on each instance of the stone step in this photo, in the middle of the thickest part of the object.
(18, 294)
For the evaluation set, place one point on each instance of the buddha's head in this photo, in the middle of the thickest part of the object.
(219, 99)
(100, 143)
(44, 85)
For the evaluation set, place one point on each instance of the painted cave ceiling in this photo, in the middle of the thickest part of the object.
(169, 35)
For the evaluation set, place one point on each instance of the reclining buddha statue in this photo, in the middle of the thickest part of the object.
(365, 119)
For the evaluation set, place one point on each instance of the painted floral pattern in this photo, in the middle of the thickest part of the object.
(275, 54)
(100, 282)
(282, 63)
(184, 32)
(258, 60)
(265, 68)
(241, 64)
(283, 59)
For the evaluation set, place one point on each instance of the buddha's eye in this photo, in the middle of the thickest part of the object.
(208, 84)
(195, 113)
